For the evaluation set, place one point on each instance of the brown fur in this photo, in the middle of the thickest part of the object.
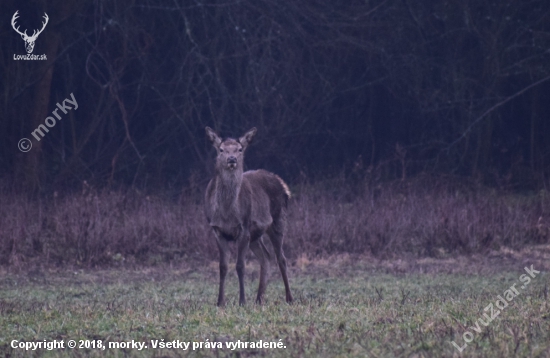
(242, 207)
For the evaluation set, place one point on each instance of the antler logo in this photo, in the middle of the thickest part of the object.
(29, 40)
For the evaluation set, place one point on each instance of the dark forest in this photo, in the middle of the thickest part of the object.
(389, 88)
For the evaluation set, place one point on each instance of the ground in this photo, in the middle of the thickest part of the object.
(344, 306)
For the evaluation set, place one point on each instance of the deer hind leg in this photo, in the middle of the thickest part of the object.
(261, 253)
(224, 258)
(276, 236)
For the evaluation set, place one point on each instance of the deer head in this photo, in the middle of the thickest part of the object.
(230, 151)
(29, 40)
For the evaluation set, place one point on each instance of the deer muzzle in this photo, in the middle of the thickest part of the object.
(232, 162)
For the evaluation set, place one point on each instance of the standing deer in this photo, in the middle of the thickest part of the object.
(241, 207)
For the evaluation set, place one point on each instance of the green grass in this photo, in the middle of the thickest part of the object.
(341, 309)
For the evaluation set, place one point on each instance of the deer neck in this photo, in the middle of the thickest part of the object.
(228, 186)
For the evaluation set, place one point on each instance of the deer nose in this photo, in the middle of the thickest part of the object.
(232, 160)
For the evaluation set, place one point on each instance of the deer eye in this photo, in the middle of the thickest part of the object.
(240, 149)
(221, 150)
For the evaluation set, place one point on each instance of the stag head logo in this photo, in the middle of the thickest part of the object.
(29, 40)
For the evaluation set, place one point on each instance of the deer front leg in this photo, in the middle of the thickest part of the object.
(242, 246)
(224, 258)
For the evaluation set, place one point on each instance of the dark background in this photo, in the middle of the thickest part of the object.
(391, 88)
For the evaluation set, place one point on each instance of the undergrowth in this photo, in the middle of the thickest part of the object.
(424, 217)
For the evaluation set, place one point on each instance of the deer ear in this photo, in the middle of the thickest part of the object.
(214, 138)
(247, 137)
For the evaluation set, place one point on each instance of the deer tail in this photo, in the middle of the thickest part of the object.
(286, 190)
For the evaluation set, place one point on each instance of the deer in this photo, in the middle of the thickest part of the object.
(29, 40)
(241, 207)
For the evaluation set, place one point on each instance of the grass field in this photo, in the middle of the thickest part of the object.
(345, 306)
